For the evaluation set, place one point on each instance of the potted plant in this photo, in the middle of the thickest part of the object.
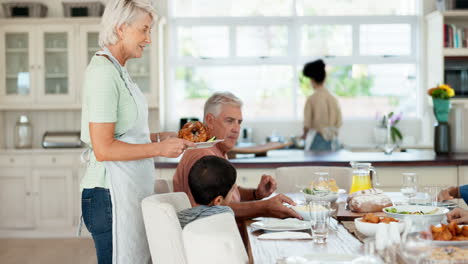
(441, 104)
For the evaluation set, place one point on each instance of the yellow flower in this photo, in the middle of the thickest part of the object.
(451, 93)
(443, 91)
(445, 87)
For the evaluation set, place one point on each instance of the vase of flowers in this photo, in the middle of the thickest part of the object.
(441, 101)
(386, 134)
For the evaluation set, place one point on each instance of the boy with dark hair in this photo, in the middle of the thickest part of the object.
(211, 181)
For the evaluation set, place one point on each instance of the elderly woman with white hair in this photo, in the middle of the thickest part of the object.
(115, 127)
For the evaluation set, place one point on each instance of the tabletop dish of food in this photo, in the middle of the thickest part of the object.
(432, 213)
(368, 224)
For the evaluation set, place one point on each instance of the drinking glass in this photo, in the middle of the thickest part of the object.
(409, 187)
(416, 240)
(321, 187)
(431, 192)
(319, 219)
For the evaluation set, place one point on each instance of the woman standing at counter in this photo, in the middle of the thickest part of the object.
(322, 113)
(120, 171)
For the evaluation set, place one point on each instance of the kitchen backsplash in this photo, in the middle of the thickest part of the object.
(43, 121)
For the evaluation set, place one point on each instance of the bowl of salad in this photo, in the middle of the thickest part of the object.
(322, 189)
(432, 213)
(320, 195)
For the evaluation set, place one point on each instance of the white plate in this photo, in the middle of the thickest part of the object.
(206, 144)
(433, 218)
(290, 224)
(447, 204)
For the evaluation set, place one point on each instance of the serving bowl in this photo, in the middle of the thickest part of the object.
(369, 229)
(432, 214)
(322, 196)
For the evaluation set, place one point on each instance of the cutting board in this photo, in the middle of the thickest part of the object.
(344, 214)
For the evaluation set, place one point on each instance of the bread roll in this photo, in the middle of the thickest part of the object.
(367, 201)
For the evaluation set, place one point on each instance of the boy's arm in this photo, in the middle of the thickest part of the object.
(272, 207)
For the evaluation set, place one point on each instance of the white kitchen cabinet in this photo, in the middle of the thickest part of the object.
(39, 192)
(45, 61)
(16, 198)
(38, 65)
(18, 73)
(53, 191)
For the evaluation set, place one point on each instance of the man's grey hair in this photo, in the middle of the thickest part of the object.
(119, 12)
(218, 99)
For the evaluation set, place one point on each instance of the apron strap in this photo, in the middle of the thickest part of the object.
(309, 139)
(80, 226)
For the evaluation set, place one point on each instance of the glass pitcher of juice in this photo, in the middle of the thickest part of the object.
(362, 176)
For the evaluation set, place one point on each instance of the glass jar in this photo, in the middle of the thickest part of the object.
(23, 133)
(362, 177)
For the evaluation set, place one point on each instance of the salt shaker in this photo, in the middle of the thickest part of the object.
(23, 133)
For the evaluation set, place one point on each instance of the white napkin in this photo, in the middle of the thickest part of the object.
(285, 235)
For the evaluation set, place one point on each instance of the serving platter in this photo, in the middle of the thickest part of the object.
(206, 144)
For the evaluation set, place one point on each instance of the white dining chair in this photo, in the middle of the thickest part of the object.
(162, 226)
(163, 186)
(289, 178)
(212, 239)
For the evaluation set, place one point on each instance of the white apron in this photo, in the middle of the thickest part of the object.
(129, 182)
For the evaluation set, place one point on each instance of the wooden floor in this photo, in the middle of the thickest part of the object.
(47, 251)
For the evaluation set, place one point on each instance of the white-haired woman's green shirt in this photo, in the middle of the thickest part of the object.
(106, 99)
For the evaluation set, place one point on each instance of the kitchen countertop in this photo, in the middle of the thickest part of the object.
(287, 157)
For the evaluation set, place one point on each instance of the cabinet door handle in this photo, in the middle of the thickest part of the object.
(54, 160)
(12, 160)
(28, 193)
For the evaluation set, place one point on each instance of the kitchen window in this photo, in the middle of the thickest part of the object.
(257, 48)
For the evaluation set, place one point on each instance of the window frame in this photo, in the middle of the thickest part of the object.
(294, 24)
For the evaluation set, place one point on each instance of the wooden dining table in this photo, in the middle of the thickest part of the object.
(340, 241)
(261, 251)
